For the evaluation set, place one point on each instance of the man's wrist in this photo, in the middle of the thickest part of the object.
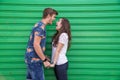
(44, 60)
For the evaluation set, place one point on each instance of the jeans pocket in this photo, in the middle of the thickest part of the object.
(36, 62)
(36, 65)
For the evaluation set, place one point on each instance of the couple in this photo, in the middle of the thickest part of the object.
(35, 58)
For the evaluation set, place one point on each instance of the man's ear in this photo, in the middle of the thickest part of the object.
(48, 16)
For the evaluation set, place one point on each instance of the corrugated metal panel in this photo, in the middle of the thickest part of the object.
(95, 49)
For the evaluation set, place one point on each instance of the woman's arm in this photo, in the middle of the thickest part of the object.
(57, 52)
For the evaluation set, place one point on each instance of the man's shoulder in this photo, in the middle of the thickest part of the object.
(38, 24)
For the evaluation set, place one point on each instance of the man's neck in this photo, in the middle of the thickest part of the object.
(44, 21)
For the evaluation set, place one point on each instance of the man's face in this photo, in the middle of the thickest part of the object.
(52, 18)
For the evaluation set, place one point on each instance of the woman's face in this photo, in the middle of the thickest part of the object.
(58, 24)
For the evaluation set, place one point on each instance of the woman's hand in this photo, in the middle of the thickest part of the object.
(52, 65)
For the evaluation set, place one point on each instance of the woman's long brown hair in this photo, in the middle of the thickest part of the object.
(64, 29)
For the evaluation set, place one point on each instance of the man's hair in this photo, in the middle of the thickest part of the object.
(49, 11)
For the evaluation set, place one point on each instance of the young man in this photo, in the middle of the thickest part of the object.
(34, 56)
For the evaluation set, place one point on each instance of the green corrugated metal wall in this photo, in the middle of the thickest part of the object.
(95, 49)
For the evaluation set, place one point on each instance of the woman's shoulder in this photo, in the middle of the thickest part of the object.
(64, 35)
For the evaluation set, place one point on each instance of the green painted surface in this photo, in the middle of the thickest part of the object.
(95, 25)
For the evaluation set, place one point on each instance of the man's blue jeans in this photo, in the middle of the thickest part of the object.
(35, 70)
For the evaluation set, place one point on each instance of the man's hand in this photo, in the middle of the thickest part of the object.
(46, 63)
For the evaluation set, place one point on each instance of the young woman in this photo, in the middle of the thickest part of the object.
(60, 44)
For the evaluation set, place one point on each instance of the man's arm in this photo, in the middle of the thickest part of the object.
(37, 47)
